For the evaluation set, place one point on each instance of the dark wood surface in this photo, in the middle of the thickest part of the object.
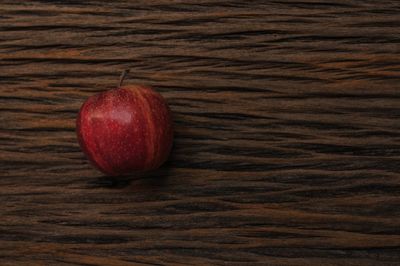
(287, 122)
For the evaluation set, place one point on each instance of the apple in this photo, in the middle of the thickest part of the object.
(125, 130)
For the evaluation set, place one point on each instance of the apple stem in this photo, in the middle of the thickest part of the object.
(122, 77)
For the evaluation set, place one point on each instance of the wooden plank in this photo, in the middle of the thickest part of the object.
(287, 130)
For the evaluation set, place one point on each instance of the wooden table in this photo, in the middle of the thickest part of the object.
(287, 123)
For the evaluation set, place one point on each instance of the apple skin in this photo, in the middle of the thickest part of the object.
(125, 130)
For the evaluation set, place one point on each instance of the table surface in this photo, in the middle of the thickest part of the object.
(287, 133)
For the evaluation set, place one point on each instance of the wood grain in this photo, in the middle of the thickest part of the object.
(287, 122)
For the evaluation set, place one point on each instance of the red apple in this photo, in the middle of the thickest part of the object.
(124, 130)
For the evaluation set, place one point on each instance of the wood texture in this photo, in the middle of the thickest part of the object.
(287, 122)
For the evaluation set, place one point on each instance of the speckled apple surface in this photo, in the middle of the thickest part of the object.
(125, 130)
